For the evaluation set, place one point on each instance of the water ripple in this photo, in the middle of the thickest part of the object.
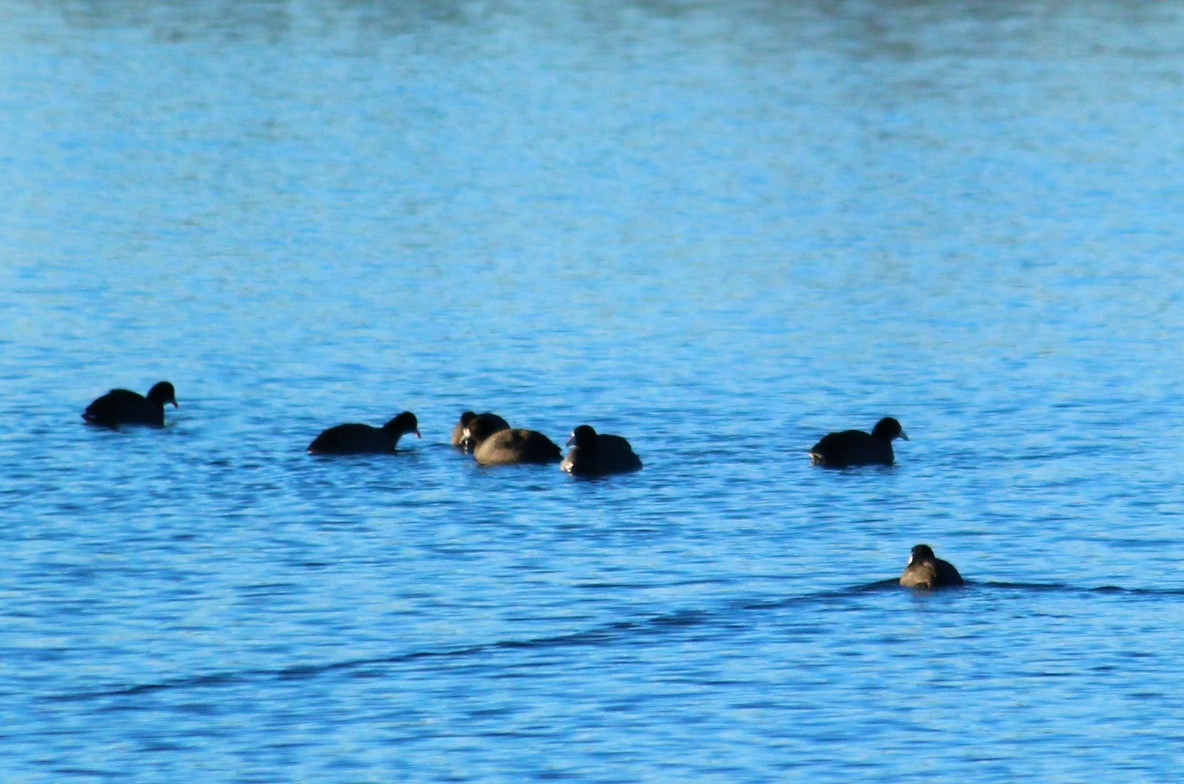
(611, 635)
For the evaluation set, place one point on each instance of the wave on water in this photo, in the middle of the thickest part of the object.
(605, 634)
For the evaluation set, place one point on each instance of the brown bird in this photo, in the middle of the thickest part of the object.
(926, 570)
(509, 445)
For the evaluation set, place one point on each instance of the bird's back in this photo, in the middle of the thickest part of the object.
(351, 438)
(919, 575)
(517, 445)
(852, 448)
(611, 455)
(124, 407)
(934, 573)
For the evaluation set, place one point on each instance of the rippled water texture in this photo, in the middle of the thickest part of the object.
(721, 229)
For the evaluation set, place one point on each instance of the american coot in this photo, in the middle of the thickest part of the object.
(855, 447)
(597, 454)
(494, 423)
(926, 570)
(353, 438)
(479, 428)
(514, 445)
(124, 407)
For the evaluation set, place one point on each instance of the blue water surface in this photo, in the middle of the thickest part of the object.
(721, 228)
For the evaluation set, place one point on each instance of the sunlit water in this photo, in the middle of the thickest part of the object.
(721, 229)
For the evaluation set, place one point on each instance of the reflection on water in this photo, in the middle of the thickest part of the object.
(721, 229)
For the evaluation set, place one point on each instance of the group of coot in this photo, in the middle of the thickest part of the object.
(491, 441)
(488, 437)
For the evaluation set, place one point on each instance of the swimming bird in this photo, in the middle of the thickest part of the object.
(124, 407)
(598, 454)
(480, 427)
(458, 430)
(855, 447)
(926, 570)
(510, 445)
(354, 438)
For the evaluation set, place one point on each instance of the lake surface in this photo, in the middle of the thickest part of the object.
(721, 229)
